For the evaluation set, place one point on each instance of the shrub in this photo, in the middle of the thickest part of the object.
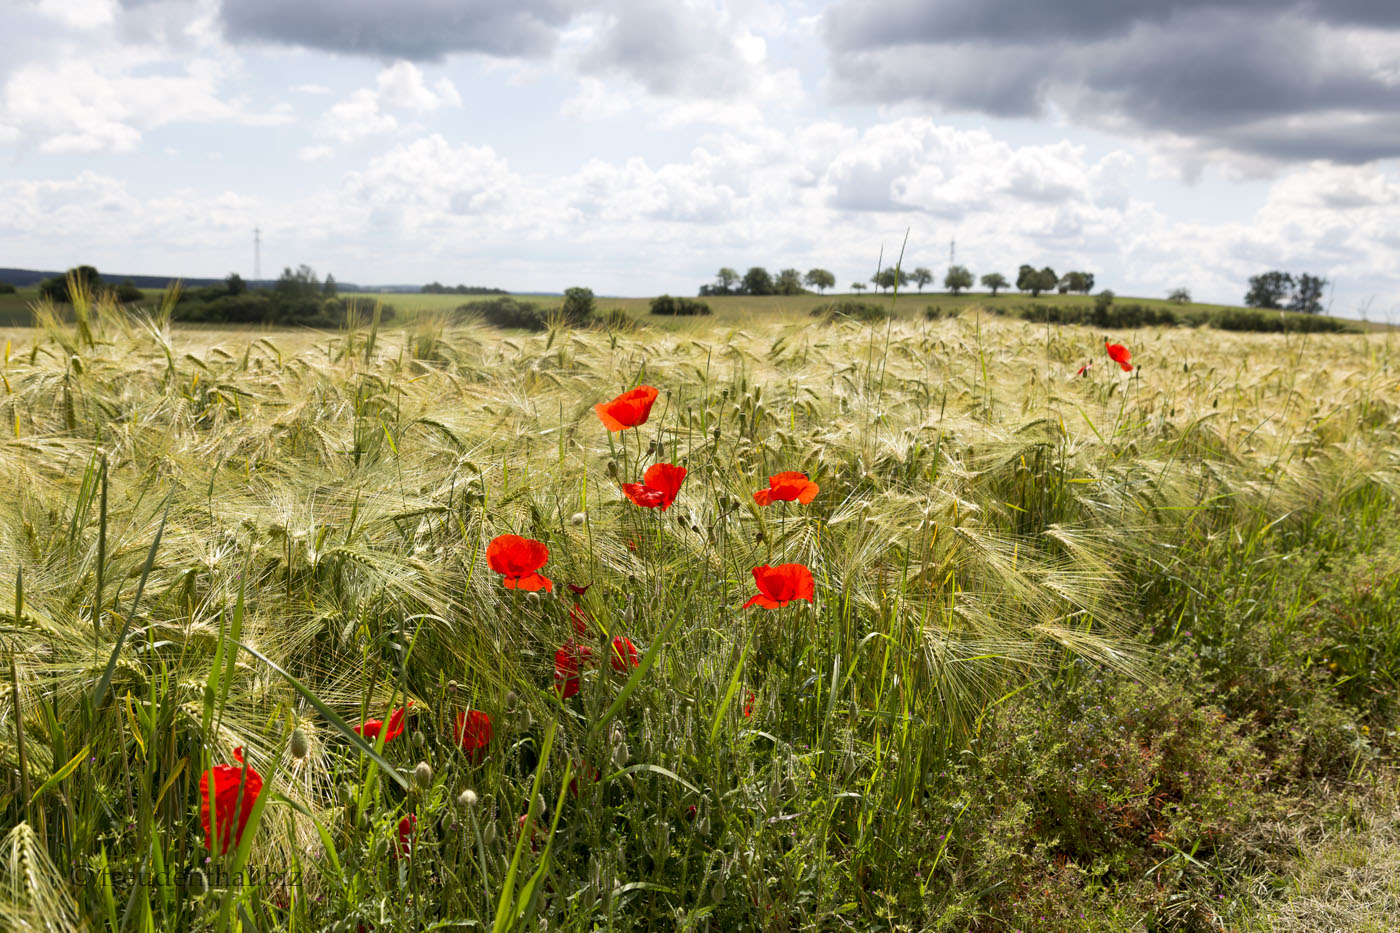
(934, 312)
(127, 292)
(578, 306)
(616, 319)
(665, 304)
(6, 288)
(507, 312)
(852, 311)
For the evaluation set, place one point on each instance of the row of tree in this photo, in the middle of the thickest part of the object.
(758, 281)
(1281, 291)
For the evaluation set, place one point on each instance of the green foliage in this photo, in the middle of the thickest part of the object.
(820, 279)
(127, 292)
(1180, 296)
(1035, 282)
(789, 282)
(56, 288)
(1277, 290)
(1082, 282)
(1105, 313)
(437, 288)
(994, 282)
(665, 304)
(507, 312)
(756, 281)
(889, 277)
(578, 305)
(922, 277)
(938, 312)
(957, 279)
(6, 288)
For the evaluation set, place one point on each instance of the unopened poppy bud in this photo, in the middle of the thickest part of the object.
(758, 537)
(577, 519)
(451, 687)
(612, 468)
(419, 740)
(539, 803)
(299, 745)
(511, 701)
(346, 795)
(716, 433)
(533, 596)
(717, 892)
(489, 834)
(197, 883)
(423, 775)
(619, 755)
(466, 799)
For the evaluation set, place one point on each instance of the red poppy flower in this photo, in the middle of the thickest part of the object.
(408, 827)
(628, 410)
(519, 560)
(624, 653)
(780, 585)
(1119, 354)
(584, 776)
(1084, 369)
(369, 729)
(787, 487)
(228, 802)
(578, 590)
(473, 733)
(661, 483)
(748, 704)
(568, 660)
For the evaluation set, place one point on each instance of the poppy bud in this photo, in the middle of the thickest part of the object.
(451, 687)
(489, 834)
(578, 519)
(423, 775)
(758, 537)
(612, 468)
(419, 740)
(511, 701)
(533, 596)
(717, 892)
(716, 434)
(539, 804)
(619, 755)
(347, 794)
(196, 883)
(299, 746)
(466, 799)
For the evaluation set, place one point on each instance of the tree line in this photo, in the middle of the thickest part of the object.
(758, 281)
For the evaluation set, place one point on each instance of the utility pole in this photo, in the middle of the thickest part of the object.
(952, 253)
(257, 256)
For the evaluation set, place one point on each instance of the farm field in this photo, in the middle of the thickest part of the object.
(1113, 651)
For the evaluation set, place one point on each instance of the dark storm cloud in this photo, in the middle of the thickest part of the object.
(418, 30)
(1282, 80)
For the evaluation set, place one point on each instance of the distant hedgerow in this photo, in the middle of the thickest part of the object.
(666, 304)
(847, 309)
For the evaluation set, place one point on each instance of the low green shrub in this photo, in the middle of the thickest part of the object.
(508, 313)
(6, 288)
(848, 310)
(666, 304)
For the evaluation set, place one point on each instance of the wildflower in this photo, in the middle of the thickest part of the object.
(1119, 354)
(624, 653)
(370, 728)
(628, 410)
(577, 589)
(1084, 369)
(234, 791)
(780, 585)
(519, 560)
(567, 661)
(473, 733)
(407, 830)
(748, 704)
(659, 486)
(787, 487)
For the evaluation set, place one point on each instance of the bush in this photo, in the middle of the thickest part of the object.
(1254, 319)
(578, 305)
(665, 304)
(127, 292)
(849, 310)
(617, 320)
(507, 312)
(935, 312)
(6, 288)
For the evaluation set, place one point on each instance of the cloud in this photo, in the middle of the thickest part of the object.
(416, 30)
(1281, 81)
(366, 112)
(315, 153)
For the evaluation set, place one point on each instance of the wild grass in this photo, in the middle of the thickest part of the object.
(218, 539)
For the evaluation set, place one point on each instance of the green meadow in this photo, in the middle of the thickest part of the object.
(1103, 652)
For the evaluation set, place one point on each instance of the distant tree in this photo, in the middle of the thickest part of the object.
(328, 289)
(757, 281)
(127, 292)
(858, 286)
(1029, 280)
(56, 288)
(234, 284)
(1269, 290)
(302, 283)
(1076, 282)
(727, 278)
(820, 279)
(1308, 296)
(789, 282)
(994, 281)
(1179, 296)
(1104, 300)
(957, 279)
(922, 277)
(890, 277)
(6, 288)
(578, 305)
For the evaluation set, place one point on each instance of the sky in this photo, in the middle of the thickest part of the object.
(636, 146)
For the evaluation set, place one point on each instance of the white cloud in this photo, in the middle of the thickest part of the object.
(315, 153)
(366, 112)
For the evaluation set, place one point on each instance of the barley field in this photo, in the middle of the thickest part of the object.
(1110, 651)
